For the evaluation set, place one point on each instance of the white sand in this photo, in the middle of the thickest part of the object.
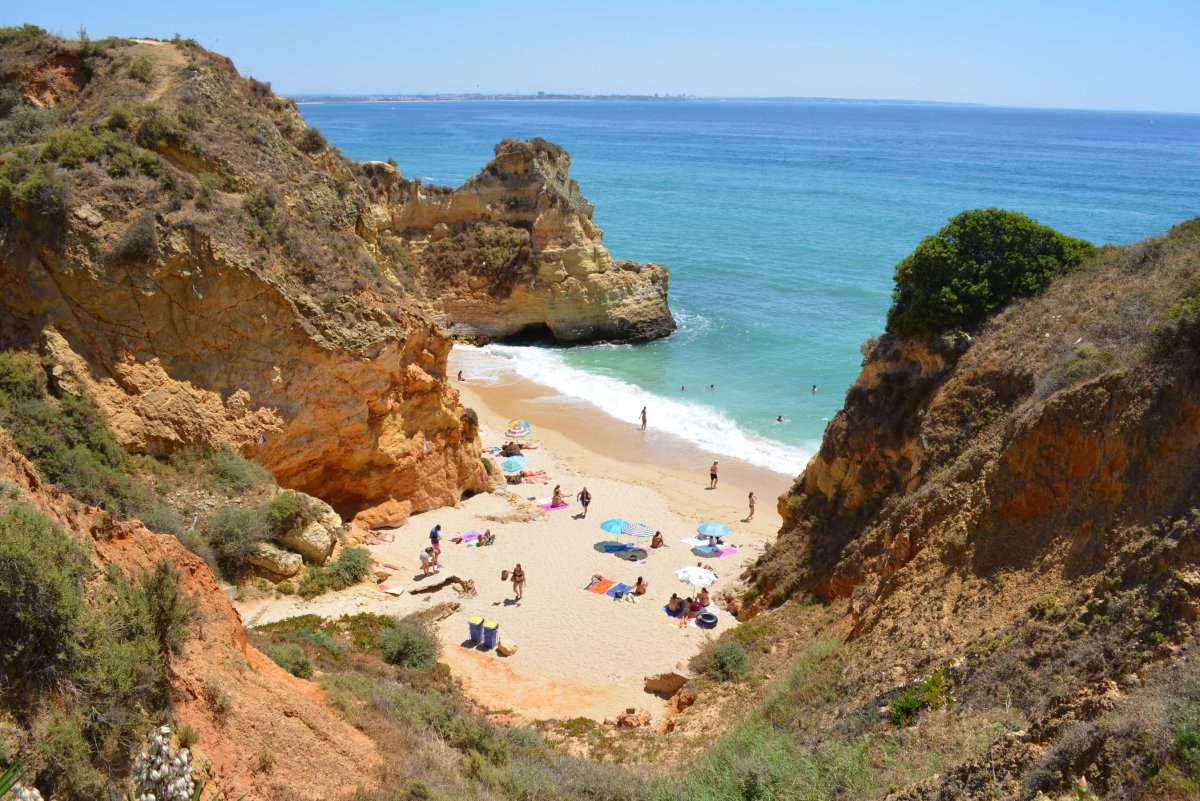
(579, 653)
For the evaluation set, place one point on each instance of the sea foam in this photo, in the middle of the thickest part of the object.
(698, 424)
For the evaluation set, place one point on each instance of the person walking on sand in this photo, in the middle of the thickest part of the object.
(584, 497)
(460, 378)
(518, 580)
(712, 476)
(643, 418)
(426, 557)
(435, 538)
(752, 499)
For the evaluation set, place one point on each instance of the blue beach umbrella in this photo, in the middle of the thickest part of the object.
(614, 526)
(514, 464)
(711, 529)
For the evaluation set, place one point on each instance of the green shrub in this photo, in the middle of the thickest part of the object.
(140, 241)
(142, 70)
(42, 569)
(163, 519)
(64, 749)
(929, 694)
(233, 534)
(291, 658)
(1186, 735)
(974, 266)
(260, 205)
(729, 661)
(171, 612)
(285, 511)
(285, 588)
(409, 645)
(312, 141)
(316, 581)
(22, 124)
(235, 472)
(352, 566)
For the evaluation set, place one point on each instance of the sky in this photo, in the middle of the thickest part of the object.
(1101, 54)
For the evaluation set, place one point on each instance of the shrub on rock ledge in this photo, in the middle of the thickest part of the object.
(978, 263)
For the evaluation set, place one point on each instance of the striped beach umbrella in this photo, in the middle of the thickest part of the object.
(637, 530)
(517, 429)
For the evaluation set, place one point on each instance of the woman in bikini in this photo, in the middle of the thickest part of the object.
(518, 580)
(703, 598)
(641, 586)
(674, 605)
(557, 500)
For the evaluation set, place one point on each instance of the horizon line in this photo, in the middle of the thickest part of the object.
(411, 97)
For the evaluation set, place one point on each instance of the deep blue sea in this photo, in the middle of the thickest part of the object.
(782, 223)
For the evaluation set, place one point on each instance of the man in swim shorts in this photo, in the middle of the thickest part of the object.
(712, 476)
(584, 497)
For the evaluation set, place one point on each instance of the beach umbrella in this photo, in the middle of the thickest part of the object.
(614, 526)
(711, 529)
(637, 530)
(514, 464)
(696, 576)
(517, 429)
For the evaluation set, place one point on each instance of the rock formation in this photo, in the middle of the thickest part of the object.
(514, 251)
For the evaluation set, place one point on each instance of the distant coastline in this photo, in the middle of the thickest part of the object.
(548, 97)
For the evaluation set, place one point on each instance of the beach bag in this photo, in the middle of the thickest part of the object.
(504, 575)
(505, 650)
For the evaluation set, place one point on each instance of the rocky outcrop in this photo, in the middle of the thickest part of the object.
(389, 514)
(275, 562)
(514, 251)
(244, 311)
(315, 535)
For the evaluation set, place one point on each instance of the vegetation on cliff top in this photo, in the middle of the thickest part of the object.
(979, 262)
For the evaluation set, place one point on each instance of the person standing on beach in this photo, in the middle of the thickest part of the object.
(752, 499)
(584, 497)
(435, 538)
(518, 580)
(712, 476)
(643, 418)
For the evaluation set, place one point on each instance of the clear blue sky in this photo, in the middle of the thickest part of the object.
(1059, 53)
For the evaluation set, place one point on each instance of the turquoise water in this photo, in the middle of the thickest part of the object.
(782, 222)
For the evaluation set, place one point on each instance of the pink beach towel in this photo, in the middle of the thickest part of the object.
(550, 508)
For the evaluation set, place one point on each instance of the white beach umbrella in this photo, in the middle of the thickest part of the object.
(696, 576)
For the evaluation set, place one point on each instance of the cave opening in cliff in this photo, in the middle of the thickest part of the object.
(533, 334)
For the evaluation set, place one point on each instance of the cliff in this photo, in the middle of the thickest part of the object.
(1018, 507)
(209, 271)
(514, 252)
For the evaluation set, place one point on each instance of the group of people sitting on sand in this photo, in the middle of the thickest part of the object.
(687, 608)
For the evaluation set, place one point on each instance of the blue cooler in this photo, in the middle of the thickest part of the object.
(475, 624)
(491, 631)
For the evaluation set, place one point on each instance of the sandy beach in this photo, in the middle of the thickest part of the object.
(579, 653)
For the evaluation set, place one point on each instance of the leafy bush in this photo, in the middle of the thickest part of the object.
(233, 534)
(235, 472)
(1186, 725)
(929, 694)
(352, 565)
(142, 70)
(260, 205)
(291, 658)
(974, 266)
(409, 645)
(313, 141)
(22, 124)
(729, 661)
(316, 581)
(42, 569)
(140, 242)
(285, 511)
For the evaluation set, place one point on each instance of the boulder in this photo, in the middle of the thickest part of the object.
(633, 718)
(389, 514)
(274, 561)
(315, 537)
(665, 684)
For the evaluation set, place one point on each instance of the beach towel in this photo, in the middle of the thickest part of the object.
(613, 547)
(727, 550)
(672, 614)
(621, 588)
(696, 542)
(390, 567)
(600, 587)
(470, 535)
(391, 590)
(550, 508)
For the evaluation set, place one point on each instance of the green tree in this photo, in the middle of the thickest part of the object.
(978, 263)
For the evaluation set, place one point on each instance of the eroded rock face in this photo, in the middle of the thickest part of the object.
(514, 250)
(316, 535)
(275, 562)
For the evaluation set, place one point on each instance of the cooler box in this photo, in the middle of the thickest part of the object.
(476, 626)
(490, 631)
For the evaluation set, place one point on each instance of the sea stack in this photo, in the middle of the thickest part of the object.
(513, 253)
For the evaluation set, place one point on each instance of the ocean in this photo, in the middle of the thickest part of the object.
(782, 223)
